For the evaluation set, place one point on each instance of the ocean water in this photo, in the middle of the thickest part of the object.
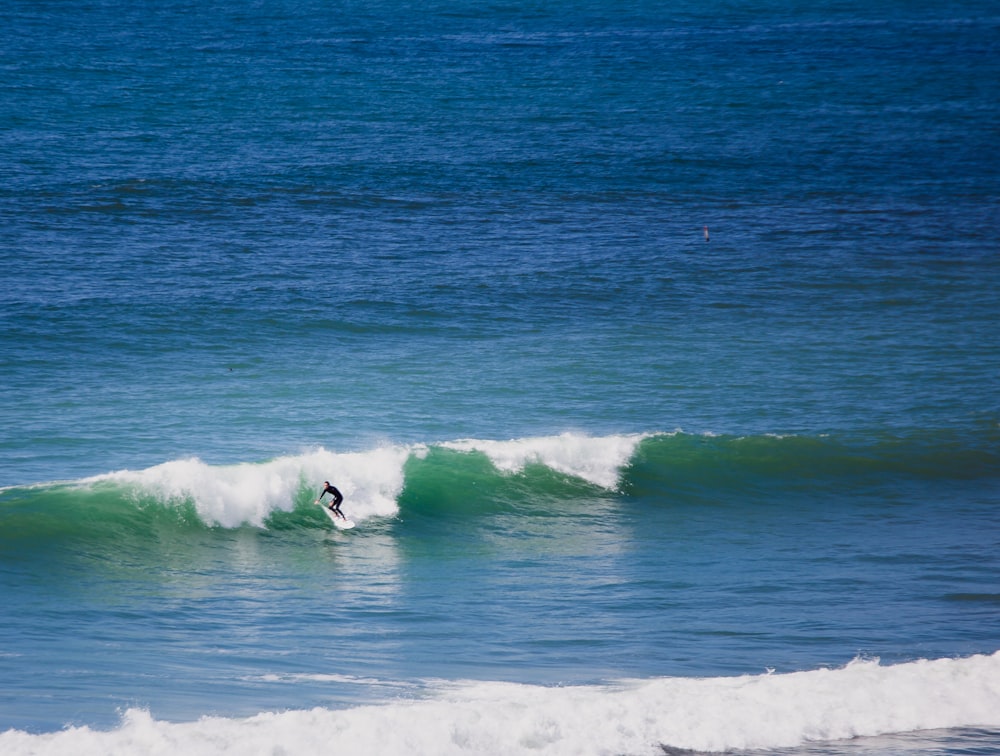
(654, 346)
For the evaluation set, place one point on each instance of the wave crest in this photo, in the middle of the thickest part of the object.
(371, 481)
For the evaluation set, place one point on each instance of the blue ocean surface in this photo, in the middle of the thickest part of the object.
(653, 346)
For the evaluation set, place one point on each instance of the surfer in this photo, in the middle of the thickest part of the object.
(337, 498)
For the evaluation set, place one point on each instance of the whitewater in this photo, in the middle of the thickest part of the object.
(761, 712)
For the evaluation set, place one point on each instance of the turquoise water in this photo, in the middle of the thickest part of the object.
(619, 488)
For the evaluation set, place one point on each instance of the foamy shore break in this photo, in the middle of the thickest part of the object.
(715, 714)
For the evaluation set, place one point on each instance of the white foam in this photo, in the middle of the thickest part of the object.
(706, 714)
(233, 495)
(597, 460)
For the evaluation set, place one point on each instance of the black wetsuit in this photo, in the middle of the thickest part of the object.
(337, 498)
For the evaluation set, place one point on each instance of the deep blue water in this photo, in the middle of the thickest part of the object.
(611, 477)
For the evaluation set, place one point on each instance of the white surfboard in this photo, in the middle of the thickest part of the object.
(342, 524)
